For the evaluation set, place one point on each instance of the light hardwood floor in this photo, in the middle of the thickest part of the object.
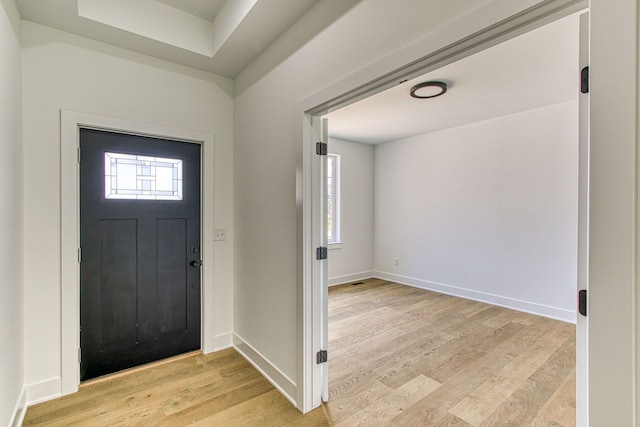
(398, 356)
(407, 357)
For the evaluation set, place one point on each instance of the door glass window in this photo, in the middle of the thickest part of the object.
(131, 176)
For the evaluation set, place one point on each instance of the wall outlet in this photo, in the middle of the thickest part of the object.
(220, 234)
(396, 261)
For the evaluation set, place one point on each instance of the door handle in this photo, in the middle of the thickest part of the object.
(196, 263)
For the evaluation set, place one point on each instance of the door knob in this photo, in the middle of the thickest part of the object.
(196, 263)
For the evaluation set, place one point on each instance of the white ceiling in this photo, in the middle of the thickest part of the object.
(207, 9)
(219, 36)
(533, 70)
(224, 36)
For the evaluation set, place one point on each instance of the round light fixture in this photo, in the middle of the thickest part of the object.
(428, 89)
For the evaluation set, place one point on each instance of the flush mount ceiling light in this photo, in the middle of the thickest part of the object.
(428, 89)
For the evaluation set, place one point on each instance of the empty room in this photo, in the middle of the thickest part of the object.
(471, 194)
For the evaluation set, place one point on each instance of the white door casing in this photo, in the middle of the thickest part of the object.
(70, 122)
(613, 212)
(582, 322)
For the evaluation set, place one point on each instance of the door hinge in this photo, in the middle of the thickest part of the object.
(322, 356)
(584, 80)
(79, 255)
(582, 302)
(79, 156)
(321, 148)
(321, 253)
(79, 355)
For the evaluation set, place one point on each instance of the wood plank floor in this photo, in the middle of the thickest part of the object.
(398, 356)
(402, 356)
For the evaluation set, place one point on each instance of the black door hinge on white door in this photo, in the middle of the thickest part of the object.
(321, 253)
(584, 80)
(582, 302)
(322, 356)
(321, 148)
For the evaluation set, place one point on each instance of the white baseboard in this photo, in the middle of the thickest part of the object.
(221, 342)
(501, 301)
(20, 410)
(43, 391)
(279, 380)
(347, 278)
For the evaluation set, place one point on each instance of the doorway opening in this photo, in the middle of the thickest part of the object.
(360, 93)
(455, 210)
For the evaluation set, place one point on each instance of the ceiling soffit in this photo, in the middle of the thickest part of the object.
(219, 36)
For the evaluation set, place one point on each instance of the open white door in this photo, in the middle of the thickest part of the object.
(582, 323)
(319, 265)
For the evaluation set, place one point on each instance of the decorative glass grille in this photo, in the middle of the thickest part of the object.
(131, 176)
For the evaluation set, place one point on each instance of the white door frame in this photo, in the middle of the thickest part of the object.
(614, 209)
(70, 123)
(582, 322)
(360, 85)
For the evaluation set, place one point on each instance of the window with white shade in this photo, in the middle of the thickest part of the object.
(333, 198)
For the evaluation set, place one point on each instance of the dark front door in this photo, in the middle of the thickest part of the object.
(140, 250)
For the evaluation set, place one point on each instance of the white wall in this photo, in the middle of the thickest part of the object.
(268, 133)
(486, 211)
(353, 258)
(11, 281)
(352, 45)
(62, 71)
